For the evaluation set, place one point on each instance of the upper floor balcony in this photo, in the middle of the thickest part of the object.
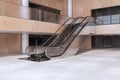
(17, 18)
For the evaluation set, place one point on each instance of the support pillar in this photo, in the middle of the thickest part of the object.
(70, 7)
(25, 36)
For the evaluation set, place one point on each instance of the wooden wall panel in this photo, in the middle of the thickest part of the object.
(83, 7)
(14, 1)
(10, 24)
(57, 4)
(87, 43)
(10, 43)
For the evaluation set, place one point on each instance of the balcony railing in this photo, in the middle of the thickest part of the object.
(18, 11)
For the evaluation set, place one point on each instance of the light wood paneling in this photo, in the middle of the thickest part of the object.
(10, 43)
(57, 4)
(13, 1)
(83, 7)
(108, 29)
(10, 24)
(86, 44)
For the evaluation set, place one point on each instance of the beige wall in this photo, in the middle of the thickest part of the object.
(13, 1)
(108, 29)
(10, 43)
(113, 29)
(83, 7)
(57, 4)
(88, 30)
(17, 25)
(86, 43)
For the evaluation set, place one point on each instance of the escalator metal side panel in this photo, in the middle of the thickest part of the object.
(60, 36)
(68, 33)
(72, 51)
(59, 30)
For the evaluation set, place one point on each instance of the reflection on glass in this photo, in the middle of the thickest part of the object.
(91, 24)
(106, 19)
(109, 15)
(99, 17)
(34, 14)
(115, 19)
(50, 17)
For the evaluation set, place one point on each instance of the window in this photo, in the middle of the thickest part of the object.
(44, 13)
(115, 19)
(110, 15)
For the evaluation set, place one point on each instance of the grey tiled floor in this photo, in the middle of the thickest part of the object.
(99, 64)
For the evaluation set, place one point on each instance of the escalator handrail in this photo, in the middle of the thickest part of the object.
(60, 34)
(74, 36)
(79, 31)
(72, 32)
(57, 30)
(53, 34)
(69, 35)
(54, 42)
(95, 19)
(78, 26)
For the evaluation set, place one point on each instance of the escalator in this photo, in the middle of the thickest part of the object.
(64, 27)
(66, 34)
(62, 42)
(32, 51)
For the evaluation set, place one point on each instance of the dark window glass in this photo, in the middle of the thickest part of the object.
(110, 15)
(37, 40)
(114, 10)
(44, 13)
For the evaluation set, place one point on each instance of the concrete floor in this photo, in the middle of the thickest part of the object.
(99, 64)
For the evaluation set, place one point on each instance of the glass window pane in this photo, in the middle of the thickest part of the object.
(106, 19)
(115, 19)
(100, 17)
